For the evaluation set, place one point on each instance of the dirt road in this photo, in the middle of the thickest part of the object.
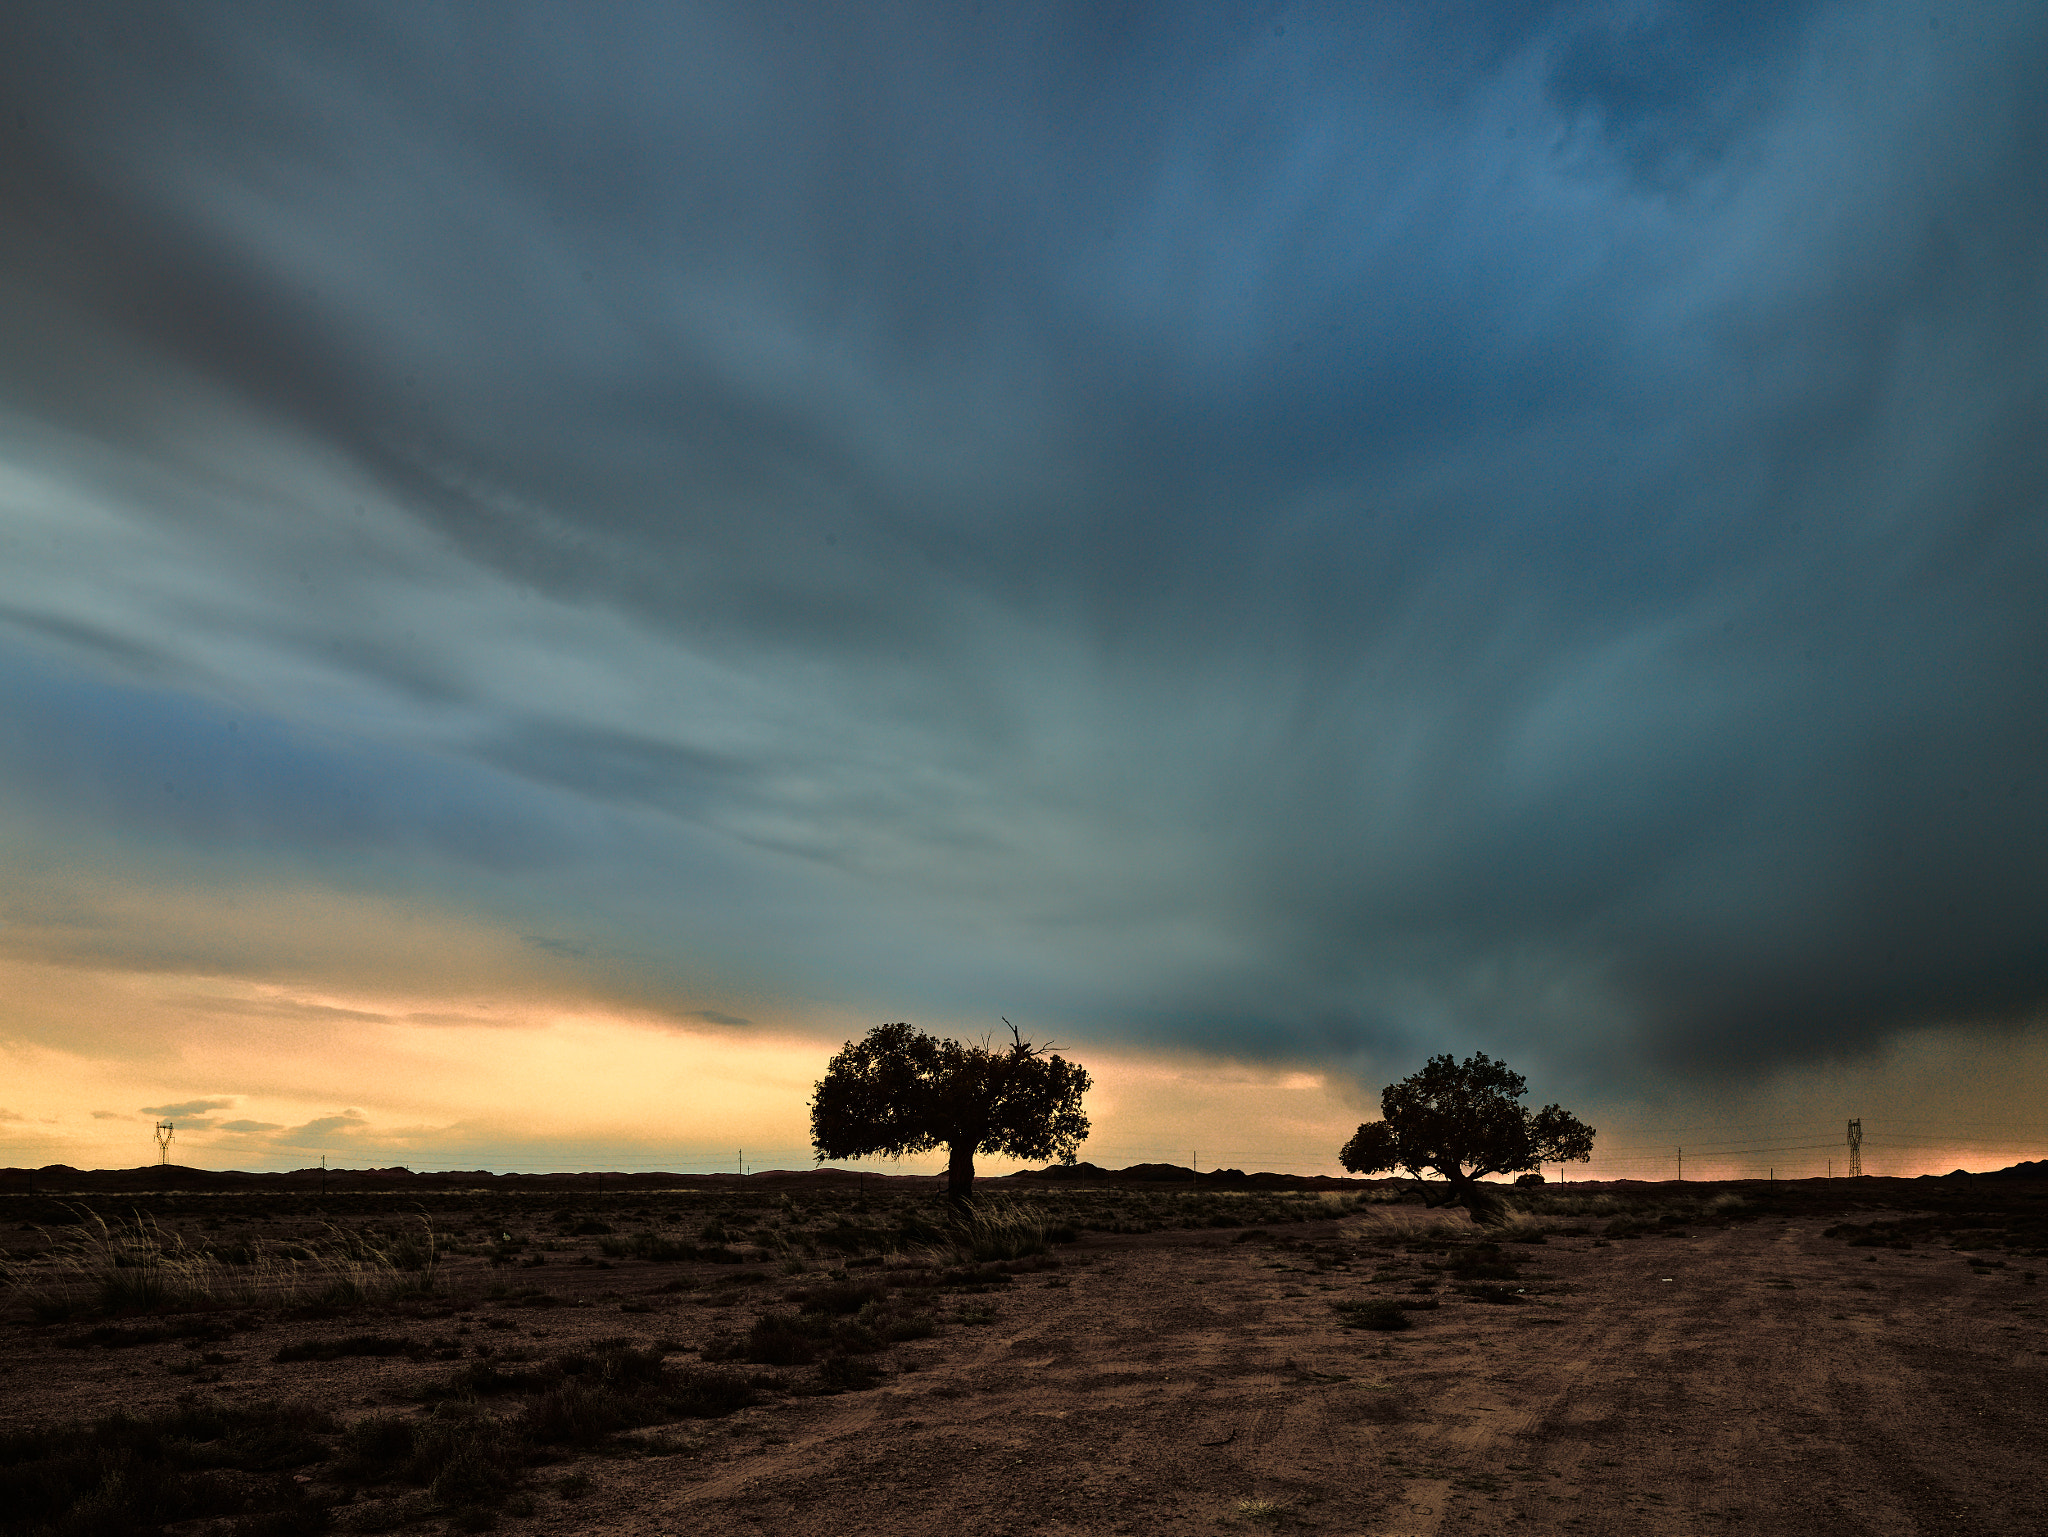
(1757, 1379)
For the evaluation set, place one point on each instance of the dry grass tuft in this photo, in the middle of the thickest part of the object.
(135, 1266)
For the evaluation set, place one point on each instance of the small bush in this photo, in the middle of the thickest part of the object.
(838, 1296)
(616, 1364)
(113, 1337)
(354, 1345)
(695, 1392)
(1007, 1230)
(374, 1447)
(579, 1414)
(490, 1379)
(850, 1374)
(776, 1339)
(1374, 1313)
(845, 1237)
(653, 1247)
(1483, 1271)
(474, 1463)
(123, 1474)
(893, 1326)
(1488, 1293)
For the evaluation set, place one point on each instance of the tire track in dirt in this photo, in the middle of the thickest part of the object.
(1165, 1386)
(1740, 1395)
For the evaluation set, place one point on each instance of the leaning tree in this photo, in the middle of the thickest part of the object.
(1464, 1121)
(901, 1091)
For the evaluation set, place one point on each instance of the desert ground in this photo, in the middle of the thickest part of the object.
(1812, 1358)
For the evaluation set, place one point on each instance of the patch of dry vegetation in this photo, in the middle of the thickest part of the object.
(444, 1311)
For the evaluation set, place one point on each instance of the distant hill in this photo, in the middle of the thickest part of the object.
(61, 1179)
(2029, 1169)
(1181, 1174)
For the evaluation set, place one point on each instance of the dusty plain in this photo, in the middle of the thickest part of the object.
(1626, 1360)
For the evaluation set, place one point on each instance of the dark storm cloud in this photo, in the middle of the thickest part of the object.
(1297, 529)
(204, 773)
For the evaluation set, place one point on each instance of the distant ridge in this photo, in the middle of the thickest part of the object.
(60, 1179)
(63, 1179)
(2028, 1169)
(1181, 1174)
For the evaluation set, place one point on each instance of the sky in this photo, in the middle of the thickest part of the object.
(557, 563)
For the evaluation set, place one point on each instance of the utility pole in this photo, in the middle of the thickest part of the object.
(1681, 1163)
(1856, 1148)
(323, 1174)
(164, 1129)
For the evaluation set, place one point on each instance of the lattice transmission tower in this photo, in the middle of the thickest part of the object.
(1856, 1149)
(163, 1140)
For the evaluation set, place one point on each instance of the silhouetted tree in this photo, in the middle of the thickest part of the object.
(901, 1091)
(1462, 1120)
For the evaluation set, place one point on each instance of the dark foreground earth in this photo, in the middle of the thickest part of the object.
(817, 1358)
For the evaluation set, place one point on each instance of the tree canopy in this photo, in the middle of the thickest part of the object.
(900, 1091)
(1464, 1121)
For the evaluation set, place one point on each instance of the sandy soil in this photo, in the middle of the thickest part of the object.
(1758, 1379)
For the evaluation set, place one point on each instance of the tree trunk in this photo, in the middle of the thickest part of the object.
(1482, 1200)
(960, 1175)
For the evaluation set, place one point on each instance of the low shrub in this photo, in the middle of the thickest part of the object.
(1489, 1293)
(1007, 1230)
(373, 1447)
(466, 1462)
(125, 1473)
(838, 1296)
(114, 1337)
(696, 1392)
(137, 1266)
(615, 1363)
(1481, 1270)
(493, 1379)
(649, 1246)
(354, 1345)
(580, 1414)
(1374, 1313)
(849, 1374)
